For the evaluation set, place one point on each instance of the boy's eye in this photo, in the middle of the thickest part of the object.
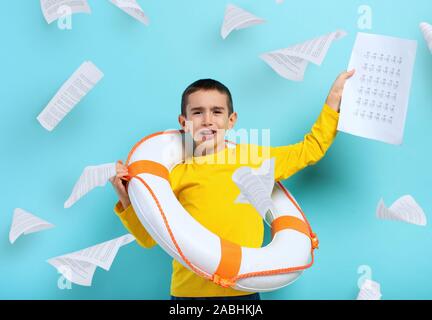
(197, 112)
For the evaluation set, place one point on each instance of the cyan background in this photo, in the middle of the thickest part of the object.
(146, 69)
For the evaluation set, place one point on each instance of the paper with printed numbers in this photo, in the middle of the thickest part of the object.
(291, 63)
(54, 9)
(405, 209)
(69, 95)
(132, 8)
(237, 18)
(375, 99)
(24, 222)
(79, 267)
(370, 290)
(92, 177)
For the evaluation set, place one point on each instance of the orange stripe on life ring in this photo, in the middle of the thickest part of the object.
(289, 222)
(146, 166)
(229, 265)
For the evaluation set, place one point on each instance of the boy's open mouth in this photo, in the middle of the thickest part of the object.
(207, 134)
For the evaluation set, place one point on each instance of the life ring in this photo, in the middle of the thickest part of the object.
(269, 268)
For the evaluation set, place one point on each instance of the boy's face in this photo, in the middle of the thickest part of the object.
(207, 120)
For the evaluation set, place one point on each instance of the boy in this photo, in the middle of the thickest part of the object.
(205, 188)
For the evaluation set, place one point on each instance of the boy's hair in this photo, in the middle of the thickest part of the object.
(206, 84)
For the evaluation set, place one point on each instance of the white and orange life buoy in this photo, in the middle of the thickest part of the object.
(227, 264)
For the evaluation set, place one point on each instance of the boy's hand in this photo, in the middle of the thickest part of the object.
(335, 95)
(118, 184)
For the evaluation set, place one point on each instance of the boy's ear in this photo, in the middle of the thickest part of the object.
(182, 122)
(232, 120)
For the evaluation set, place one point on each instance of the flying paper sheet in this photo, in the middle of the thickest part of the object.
(132, 8)
(370, 290)
(291, 63)
(69, 95)
(24, 222)
(53, 9)
(375, 99)
(426, 29)
(92, 177)
(79, 267)
(404, 209)
(237, 18)
(256, 186)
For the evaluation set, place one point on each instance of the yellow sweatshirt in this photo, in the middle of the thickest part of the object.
(206, 190)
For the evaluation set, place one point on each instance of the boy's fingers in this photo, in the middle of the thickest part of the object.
(120, 168)
(344, 77)
(348, 74)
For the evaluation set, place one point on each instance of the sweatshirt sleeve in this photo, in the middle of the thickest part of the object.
(291, 159)
(131, 222)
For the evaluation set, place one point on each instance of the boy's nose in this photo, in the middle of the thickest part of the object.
(207, 119)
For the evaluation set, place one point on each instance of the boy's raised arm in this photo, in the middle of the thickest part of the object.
(291, 159)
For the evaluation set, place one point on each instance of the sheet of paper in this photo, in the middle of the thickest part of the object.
(375, 99)
(370, 290)
(52, 9)
(69, 95)
(92, 177)
(237, 18)
(291, 63)
(256, 186)
(132, 8)
(24, 222)
(426, 29)
(405, 209)
(75, 271)
(79, 267)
